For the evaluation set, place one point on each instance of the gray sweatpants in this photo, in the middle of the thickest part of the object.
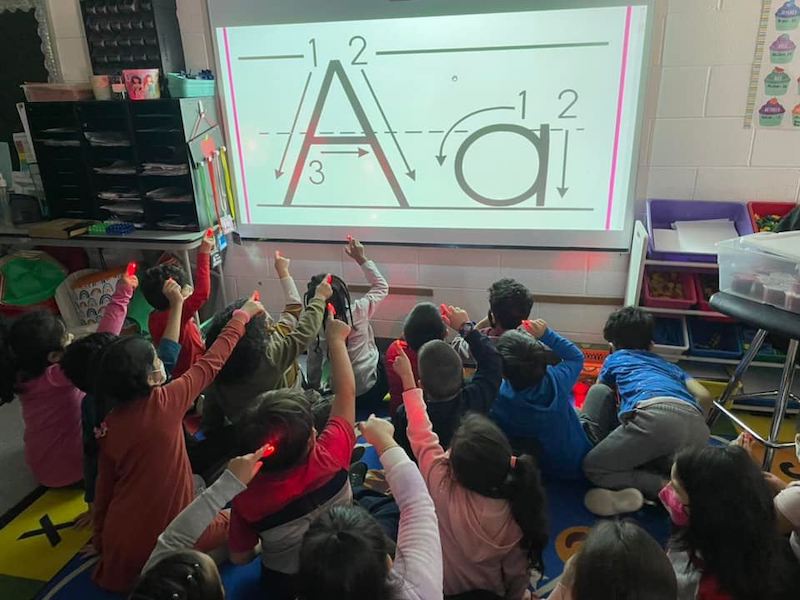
(638, 452)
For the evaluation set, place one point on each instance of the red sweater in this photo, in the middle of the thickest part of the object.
(192, 345)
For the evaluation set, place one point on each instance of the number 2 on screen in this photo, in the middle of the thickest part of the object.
(565, 113)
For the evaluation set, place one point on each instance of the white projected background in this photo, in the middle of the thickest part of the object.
(519, 121)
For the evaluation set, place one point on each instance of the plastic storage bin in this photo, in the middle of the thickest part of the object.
(764, 267)
(706, 285)
(686, 280)
(181, 87)
(661, 214)
(712, 339)
(57, 92)
(763, 209)
(767, 352)
(671, 337)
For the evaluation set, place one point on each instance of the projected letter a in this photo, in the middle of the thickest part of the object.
(369, 137)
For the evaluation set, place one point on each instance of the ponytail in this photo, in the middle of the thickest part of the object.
(8, 366)
(524, 491)
(482, 461)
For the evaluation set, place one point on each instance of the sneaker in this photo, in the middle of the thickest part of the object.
(607, 503)
(358, 472)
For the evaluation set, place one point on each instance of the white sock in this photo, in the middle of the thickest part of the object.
(607, 503)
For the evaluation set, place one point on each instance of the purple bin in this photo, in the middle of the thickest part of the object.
(661, 214)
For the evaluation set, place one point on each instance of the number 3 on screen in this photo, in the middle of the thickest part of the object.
(318, 176)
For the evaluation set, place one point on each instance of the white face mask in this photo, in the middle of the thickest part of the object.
(797, 446)
(158, 376)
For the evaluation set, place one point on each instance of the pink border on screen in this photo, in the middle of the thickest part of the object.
(236, 121)
(623, 72)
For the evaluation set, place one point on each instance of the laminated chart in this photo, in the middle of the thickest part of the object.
(520, 120)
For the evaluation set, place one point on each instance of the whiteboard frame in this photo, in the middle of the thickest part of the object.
(236, 13)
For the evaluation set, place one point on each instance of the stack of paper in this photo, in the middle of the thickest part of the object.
(694, 237)
(165, 169)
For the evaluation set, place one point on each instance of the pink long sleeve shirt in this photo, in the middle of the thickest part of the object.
(51, 411)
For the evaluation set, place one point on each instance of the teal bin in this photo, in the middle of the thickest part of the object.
(181, 87)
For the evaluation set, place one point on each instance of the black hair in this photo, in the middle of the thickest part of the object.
(321, 405)
(480, 457)
(510, 303)
(732, 525)
(524, 359)
(441, 371)
(340, 299)
(343, 556)
(25, 349)
(249, 351)
(123, 371)
(630, 328)
(282, 418)
(80, 357)
(621, 561)
(152, 281)
(181, 575)
(423, 324)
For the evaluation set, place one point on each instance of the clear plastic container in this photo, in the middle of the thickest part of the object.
(764, 267)
(57, 92)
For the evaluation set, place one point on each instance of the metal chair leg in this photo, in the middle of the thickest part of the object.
(737, 375)
(781, 402)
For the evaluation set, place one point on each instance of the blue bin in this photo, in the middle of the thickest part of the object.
(713, 339)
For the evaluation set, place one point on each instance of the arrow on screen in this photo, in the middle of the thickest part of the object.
(410, 173)
(442, 156)
(279, 171)
(564, 189)
(359, 152)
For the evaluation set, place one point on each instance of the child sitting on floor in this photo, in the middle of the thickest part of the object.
(726, 544)
(143, 467)
(79, 362)
(192, 345)
(51, 403)
(658, 416)
(266, 357)
(423, 324)
(175, 569)
(490, 503)
(305, 475)
(441, 375)
(534, 407)
(617, 560)
(371, 386)
(510, 303)
(345, 554)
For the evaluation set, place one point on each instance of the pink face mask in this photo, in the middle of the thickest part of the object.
(675, 508)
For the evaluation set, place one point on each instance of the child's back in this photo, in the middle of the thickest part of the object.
(534, 405)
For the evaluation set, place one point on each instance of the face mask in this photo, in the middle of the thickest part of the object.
(158, 376)
(797, 446)
(675, 508)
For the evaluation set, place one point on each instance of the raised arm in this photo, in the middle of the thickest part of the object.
(424, 441)
(567, 371)
(293, 302)
(169, 348)
(344, 401)
(285, 350)
(379, 289)
(189, 525)
(418, 560)
(202, 279)
(114, 314)
(181, 392)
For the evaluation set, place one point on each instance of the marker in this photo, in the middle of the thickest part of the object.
(257, 296)
(330, 279)
(210, 232)
(269, 450)
(331, 309)
(349, 238)
(444, 310)
(130, 271)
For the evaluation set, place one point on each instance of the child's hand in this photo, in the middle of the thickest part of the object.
(324, 289)
(84, 520)
(88, 551)
(336, 330)
(246, 467)
(775, 483)
(172, 291)
(536, 328)
(454, 316)
(253, 307)
(378, 432)
(187, 291)
(207, 245)
(281, 265)
(402, 366)
(355, 250)
(131, 281)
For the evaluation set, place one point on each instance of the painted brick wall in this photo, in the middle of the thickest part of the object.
(695, 148)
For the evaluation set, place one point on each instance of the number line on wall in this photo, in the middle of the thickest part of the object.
(461, 208)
